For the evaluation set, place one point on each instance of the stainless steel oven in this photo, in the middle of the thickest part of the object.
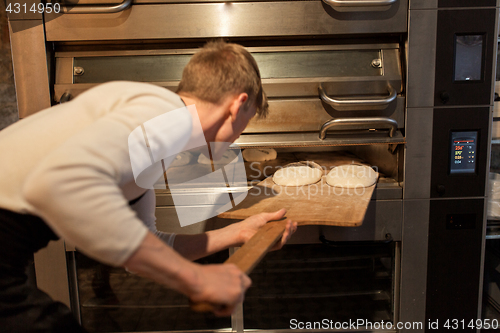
(405, 86)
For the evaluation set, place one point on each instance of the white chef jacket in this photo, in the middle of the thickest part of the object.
(70, 165)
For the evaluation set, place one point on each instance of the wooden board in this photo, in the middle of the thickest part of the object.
(316, 204)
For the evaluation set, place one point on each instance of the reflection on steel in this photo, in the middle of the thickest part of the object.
(358, 3)
(311, 139)
(359, 123)
(78, 71)
(66, 97)
(85, 9)
(357, 104)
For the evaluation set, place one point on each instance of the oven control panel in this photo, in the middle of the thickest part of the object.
(463, 152)
(459, 152)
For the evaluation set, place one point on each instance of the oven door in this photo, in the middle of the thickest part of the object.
(314, 91)
(164, 19)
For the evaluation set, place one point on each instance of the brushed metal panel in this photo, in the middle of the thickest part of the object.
(289, 115)
(29, 62)
(418, 155)
(423, 4)
(289, 64)
(282, 18)
(495, 57)
(414, 261)
(421, 58)
(64, 70)
(311, 139)
(52, 271)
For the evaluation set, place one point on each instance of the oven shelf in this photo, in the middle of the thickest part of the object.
(311, 139)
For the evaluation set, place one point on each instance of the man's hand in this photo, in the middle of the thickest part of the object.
(194, 247)
(248, 227)
(223, 286)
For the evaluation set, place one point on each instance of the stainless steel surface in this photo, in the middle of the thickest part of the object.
(495, 51)
(280, 64)
(52, 271)
(31, 74)
(281, 140)
(370, 124)
(66, 97)
(418, 154)
(423, 4)
(78, 71)
(309, 114)
(387, 162)
(237, 322)
(96, 9)
(287, 71)
(421, 55)
(397, 281)
(483, 251)
(414, 261)
(73, 285)
(358, 3)
(376, 63)
(303, 18)
(349, 104)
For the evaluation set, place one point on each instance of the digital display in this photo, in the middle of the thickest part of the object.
(463, 152)
(468, 57)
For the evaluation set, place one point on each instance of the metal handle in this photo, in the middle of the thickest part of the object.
(91, 9)
(357, 104)
(359, 123)
(358, 3)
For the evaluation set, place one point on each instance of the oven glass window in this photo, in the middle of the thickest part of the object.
(310, 283)
(468, 57)
(272, 65)
(114, 300)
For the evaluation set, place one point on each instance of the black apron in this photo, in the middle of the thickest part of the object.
(23, 307)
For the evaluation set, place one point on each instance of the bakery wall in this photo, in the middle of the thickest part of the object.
(8, 106)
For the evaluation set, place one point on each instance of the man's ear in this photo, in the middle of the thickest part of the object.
(235, 106)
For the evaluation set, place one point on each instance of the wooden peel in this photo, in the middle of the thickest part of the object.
(250, 254)
(316, 204)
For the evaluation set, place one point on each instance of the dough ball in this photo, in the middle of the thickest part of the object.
(297, 176)
(352, 176)
(228, 157)
(181, 159)
(259, 155)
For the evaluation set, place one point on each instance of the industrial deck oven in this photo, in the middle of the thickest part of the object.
(405, 86)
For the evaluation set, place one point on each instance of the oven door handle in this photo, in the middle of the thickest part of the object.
(358, 3)
(359, 123)
(99, 9)
(358, 104)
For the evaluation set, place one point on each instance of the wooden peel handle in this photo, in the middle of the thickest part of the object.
(249, 255)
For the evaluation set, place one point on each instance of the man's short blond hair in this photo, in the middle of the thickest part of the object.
(222, 69)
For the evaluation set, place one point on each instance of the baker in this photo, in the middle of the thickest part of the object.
(66, 173)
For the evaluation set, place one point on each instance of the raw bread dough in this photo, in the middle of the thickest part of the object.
(352, 176)
(228, 157)
(259, 155)
(181, 159)
(297, 176)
